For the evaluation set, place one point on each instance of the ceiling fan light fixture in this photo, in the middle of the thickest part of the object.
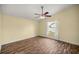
(42, 17)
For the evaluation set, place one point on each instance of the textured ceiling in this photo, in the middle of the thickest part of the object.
(28, 10)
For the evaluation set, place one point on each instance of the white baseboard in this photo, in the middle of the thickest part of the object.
(17, 40)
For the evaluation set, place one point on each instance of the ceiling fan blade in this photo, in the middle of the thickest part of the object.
(48, 15)
(37, 14)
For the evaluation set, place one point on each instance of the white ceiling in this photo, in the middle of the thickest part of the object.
(28, 10)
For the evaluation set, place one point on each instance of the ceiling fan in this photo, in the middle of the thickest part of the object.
(43, 15)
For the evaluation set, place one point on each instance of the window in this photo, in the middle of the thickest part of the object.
(52, 27)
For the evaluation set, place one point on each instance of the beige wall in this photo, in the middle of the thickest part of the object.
(0, 31)
(68, 24)
(15, 29)
(42, 28)
(78, 19)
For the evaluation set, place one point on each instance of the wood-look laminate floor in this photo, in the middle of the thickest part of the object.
(39, 45)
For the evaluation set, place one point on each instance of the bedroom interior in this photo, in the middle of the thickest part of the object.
(23, 32)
